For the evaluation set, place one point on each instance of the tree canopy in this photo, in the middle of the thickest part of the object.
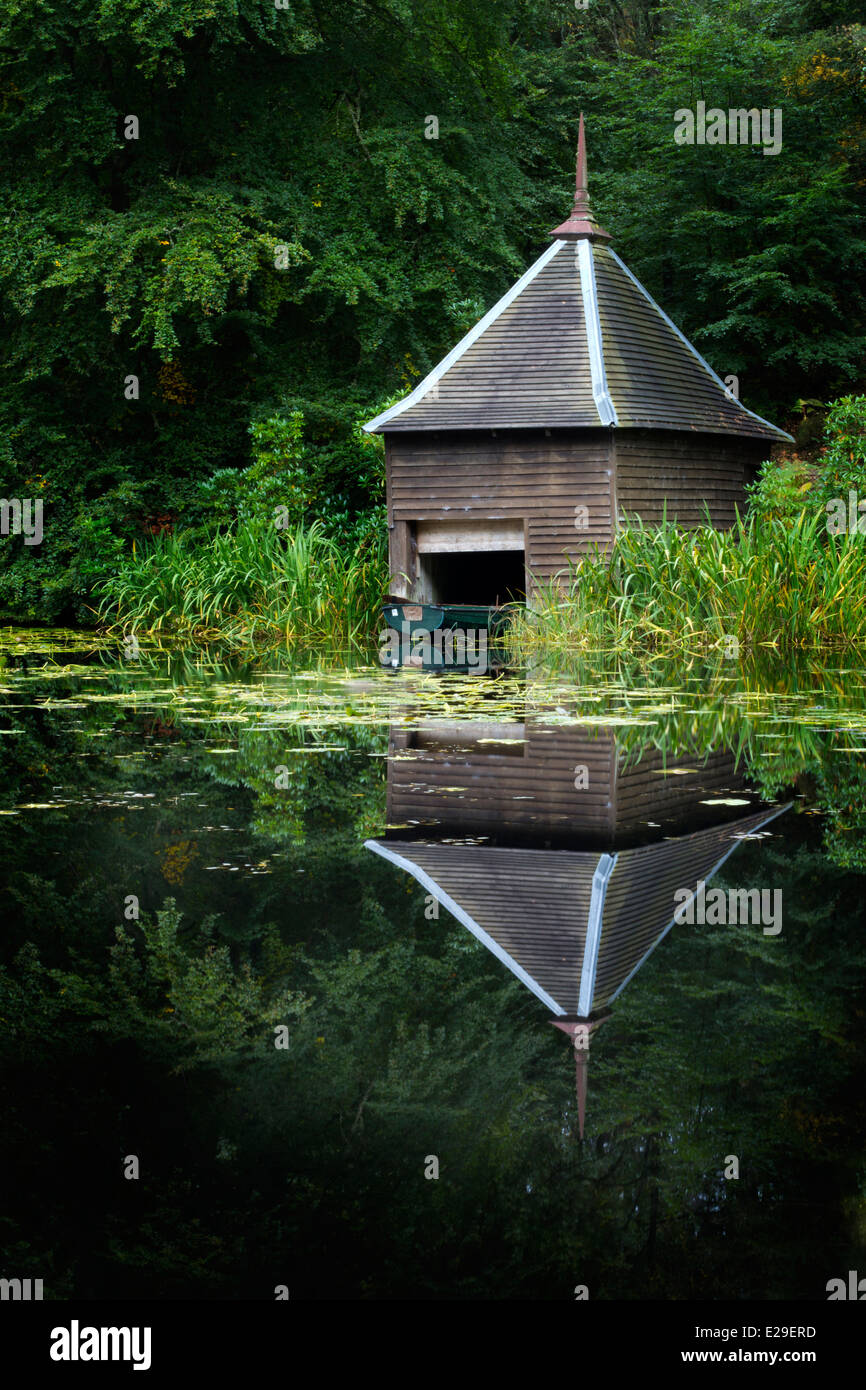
(242, 207)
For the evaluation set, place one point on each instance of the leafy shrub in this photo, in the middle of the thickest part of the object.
(780, 489)
(843, 462)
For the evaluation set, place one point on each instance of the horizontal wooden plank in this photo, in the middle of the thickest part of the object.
(449, 537)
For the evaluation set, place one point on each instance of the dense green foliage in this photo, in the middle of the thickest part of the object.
(227, 241)
(281, 236)
(843, 462)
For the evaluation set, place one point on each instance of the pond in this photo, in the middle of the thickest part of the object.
(285, 942)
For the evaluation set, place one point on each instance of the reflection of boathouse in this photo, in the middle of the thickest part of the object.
(558, 854)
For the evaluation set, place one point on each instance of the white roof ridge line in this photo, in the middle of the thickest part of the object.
(600, 879)
(693, 350)
(595, 344)
(467, 340)
(465, 920)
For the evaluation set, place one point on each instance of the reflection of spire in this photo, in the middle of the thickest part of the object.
(582, 1063)
(580, 1030)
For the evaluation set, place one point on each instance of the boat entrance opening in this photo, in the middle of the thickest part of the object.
(488, 577)
(471, 562)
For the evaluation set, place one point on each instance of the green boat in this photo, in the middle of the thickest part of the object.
(432, 616)
(438, 635)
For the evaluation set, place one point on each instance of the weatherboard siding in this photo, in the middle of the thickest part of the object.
(534, 478)
(660, 473)
(656, 788)
(528, 788)
(439, 777)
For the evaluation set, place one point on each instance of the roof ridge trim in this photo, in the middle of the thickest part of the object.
(589, 294)
(466, 342)
(783, 434)
(463, 917)
(600, 880)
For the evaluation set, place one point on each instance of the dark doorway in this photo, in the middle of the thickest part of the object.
(470, 576)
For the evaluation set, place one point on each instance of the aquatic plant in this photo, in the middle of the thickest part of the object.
(768, 581)
(254, 583)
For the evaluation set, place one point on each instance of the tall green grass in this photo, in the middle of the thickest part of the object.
(253, 584)
(771, 581)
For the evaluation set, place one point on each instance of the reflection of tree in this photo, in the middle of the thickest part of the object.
(176, 859)
(305, 1165)
(840, 791)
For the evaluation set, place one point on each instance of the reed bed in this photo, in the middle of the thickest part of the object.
(250, 585)
(768, 581)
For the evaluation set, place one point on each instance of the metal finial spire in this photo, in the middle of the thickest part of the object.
(580, 222)
(581, 198)
(580, 1031)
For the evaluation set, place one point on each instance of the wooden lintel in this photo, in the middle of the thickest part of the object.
(448, 537)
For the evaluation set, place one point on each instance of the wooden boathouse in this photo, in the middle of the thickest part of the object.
(575, 403)
(572, 890)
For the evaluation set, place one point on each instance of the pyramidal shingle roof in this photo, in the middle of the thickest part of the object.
(573, 926)
(576, 342)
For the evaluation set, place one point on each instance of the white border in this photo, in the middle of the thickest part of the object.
(600, 880)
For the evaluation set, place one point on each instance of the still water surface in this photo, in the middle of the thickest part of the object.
(287, 940)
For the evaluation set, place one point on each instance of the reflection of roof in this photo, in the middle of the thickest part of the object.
(577, 341)
(573, 926)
